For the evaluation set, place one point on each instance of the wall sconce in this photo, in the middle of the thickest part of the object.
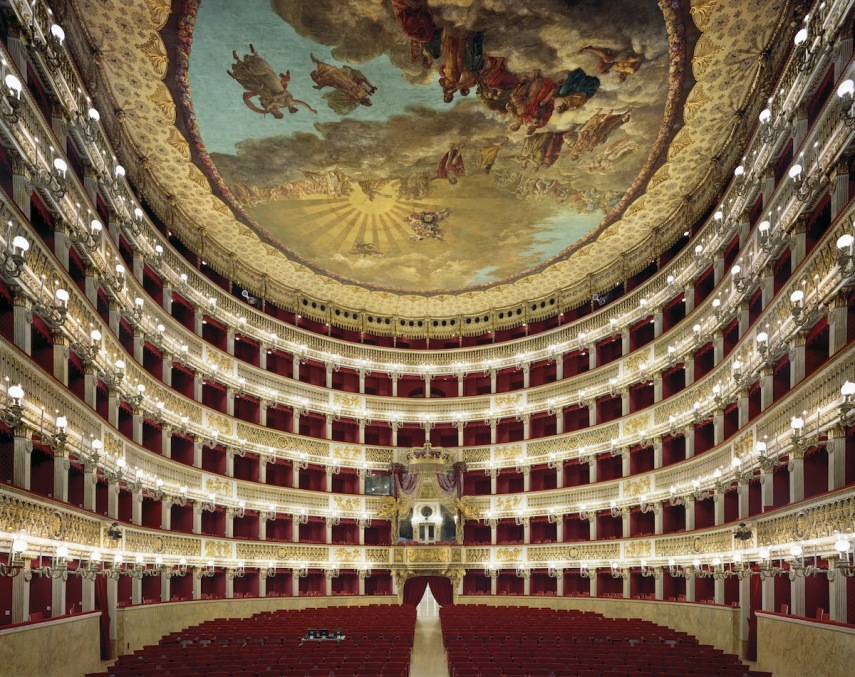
(844, 562)
(10, 103)
(300, 517)
(58, 568)
(211, 504)
(135, 314)
(179, 570)
(332, 572)
(268, 571)
(52, 180)
(649, 572)
(115, 283)
(91, 567)
(644, 505)
(797, 302)
(520, 519)
(206, 571)
(523, 572)
(55, 311)
(587, 572)
(13, 258)
(16, 557)
(554, 570)
(676, 571)
(364, 572)
(738, 279)
(113, 378)
(614, 510)
(551, 516)
(847, 392)
(301, 462)
(490, 519)
(364, 521)
(13, 413)
(617, 571)
(300, 572)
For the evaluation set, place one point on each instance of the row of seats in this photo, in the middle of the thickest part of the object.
(487, 641)
(377, 643)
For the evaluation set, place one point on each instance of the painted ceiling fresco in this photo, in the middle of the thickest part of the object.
(188, 137)
(425, 145)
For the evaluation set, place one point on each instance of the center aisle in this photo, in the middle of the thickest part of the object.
(428, 653)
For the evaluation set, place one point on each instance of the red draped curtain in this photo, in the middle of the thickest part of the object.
(102, 606)
(414, 590)
(755, 602)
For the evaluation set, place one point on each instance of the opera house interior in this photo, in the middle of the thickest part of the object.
(301, 376)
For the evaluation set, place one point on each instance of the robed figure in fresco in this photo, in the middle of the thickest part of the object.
(260, 80)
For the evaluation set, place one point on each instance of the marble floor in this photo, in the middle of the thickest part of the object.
(428, 654)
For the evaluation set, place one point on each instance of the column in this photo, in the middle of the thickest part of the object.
(766, 388)
(230, 463)
(742, 407)
(113, 406)
(198, 383)
(559, 530)
(137, 426)
(262, 526)
(166, 514)
(329, 525)
(690, 584)
(767, 285)
(592, 413)
(262, 469)
(797, 359)
(839, 187)
(798, 242)
(689, 297)
(90, 278)
(742, 499)
(230, 523)
(197, 518)
(718, 347)
(262, 583)
(230, 341)
(166, 301)
(689, 437)
(60, 356)
(797, 596)
(493, 374)
(21, 595)
(657, 453)
(689, 512)
(113, 498)
(592, 584)
(198, 325)
(767, 486)
(659, 584)
(718, 266)
(592, 518)
(625, 463)
(657, 322)
(61, 244)
(262, 416)
(20, 178)
(837, 594)
(61, 466)
(87, 601)
(295, 582)
(57, 597)
(559, 592)
(689, 369)
(136, 506)
(657, 386)
(768, 600)
(744, 607)
(493, 586)
(592, 469)
(90, 482)
(625, 522)
(198, 443)
(136, 591)
(837, 328)
(718, 591)
(230, 401)
(166, 369)
(657, 518)
(166, 441)
(836, 449)
(526, 479)
(744, 318)
(718, 426)
(718, 508)
(796, 466)
(197, 582)
(114, 316)
(230, 584)
(624, 401)
(22, 314)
